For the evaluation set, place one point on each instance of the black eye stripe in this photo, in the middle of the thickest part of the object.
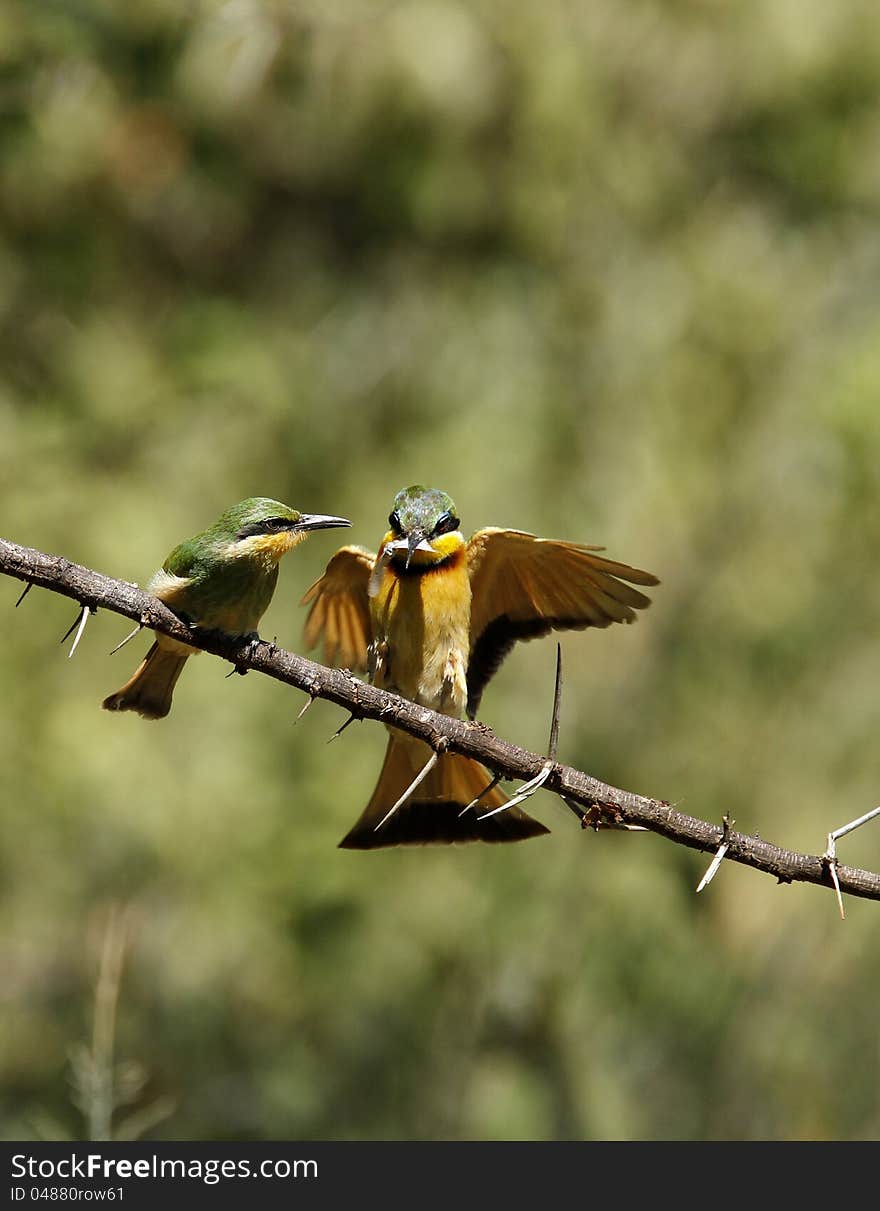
(272, 525)
(445, 523)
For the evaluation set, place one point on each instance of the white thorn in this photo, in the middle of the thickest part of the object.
(830, 855)
(123, 642)
(525, 792)
(832, 866)
(713, 867)
(420, 777)
(79, 630)
(853, 825)
(719, 856)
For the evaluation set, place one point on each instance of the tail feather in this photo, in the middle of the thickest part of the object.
(433, 816)
(149, 691)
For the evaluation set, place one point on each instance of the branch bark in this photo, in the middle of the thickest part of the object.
(605, 803)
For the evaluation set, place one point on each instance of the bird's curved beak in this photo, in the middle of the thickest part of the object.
(319, 521)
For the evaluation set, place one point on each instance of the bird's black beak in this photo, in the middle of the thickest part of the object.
(412, 541)
(318, 521)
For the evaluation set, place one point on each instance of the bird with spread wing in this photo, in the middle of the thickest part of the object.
(431, 617)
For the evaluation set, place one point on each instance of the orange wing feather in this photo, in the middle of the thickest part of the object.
(340, 609)
(524, 587)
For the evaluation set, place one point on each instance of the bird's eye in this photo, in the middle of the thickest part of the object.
(273, 524)
(394, 523)
(445, 523)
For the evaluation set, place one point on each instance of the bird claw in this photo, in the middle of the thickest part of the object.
(253, 643)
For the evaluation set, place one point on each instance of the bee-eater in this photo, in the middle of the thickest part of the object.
(431, 617)
(222, 579)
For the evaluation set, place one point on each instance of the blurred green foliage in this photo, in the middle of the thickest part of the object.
(605, 272)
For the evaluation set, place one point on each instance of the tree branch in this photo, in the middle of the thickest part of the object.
(603, 803)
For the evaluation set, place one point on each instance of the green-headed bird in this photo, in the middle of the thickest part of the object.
(222, 579)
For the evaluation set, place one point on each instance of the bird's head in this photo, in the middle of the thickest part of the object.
(424, 527)
(268, 528)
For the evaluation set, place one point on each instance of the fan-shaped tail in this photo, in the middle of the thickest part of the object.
(433, 814)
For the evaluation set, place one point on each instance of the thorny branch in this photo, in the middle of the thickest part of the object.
(605, 804)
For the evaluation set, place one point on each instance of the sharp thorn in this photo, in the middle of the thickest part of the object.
(84, 617)
(351, 719)
(557, 702)
(524, 792)
(72, 627)
(308, 702)
(853, 825)
(832, 866)
(123, 642)
(727, 825)
(420, 777)
(830, 855)
(575, 807)
(713, 867)
(25, 591)
(485, 791)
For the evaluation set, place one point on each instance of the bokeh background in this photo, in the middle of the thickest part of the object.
(604, 272)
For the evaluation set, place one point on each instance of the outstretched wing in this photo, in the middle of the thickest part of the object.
(525, 586)
(340, 610)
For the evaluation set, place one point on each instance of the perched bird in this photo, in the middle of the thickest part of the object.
(222, 579)
(432, 617)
